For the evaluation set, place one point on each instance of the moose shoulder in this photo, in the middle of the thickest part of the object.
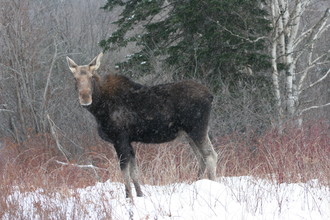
(126, 111)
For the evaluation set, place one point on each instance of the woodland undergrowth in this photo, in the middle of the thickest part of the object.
(296, 155)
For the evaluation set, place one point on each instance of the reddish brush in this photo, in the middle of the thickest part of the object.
(298, 155)
(294, 156)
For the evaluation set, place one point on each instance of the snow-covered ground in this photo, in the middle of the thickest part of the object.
(228, 198)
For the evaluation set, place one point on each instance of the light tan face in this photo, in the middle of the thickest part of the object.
(83, 76)
(83, 79)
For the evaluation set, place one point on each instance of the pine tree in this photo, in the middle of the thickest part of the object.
(203, 39)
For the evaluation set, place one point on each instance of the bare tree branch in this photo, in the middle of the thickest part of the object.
(312, 64)
(80, 166)
(318, 28)
(6, 110)
(55, 136)
(46, 90)
(314, 107)
(12, 69)
(317, 81)
(236, 35)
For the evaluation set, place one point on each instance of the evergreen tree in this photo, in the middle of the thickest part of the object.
(212, 39)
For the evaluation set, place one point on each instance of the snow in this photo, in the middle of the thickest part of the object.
(227, 198)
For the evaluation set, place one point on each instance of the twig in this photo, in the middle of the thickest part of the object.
(317, 81)
(314, 107)
(80, 166)
(6, 110)
(54, 134)
(44, 102)
(238, 36)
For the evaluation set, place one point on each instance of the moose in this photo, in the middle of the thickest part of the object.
(126, 112)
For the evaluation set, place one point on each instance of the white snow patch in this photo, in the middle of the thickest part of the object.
(227, 198)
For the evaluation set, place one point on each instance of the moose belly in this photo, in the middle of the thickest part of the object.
(155, 133)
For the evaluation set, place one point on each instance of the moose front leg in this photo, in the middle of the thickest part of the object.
(124, 161)
(126, 156)
(126, 174)
(134, 173)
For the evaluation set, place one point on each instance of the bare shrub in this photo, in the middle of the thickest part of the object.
(166, 163)
(298, 155)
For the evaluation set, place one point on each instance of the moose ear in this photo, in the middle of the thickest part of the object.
(95, 63)
(72, 65)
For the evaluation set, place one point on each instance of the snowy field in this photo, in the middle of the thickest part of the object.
(228, 198)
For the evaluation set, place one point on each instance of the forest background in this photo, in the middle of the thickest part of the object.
(266, 62)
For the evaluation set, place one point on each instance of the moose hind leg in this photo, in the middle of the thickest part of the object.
(201, 161)
(208, 158)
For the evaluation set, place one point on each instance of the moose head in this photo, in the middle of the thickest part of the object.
(84, 76)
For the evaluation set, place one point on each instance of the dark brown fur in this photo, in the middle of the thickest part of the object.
(127, 112)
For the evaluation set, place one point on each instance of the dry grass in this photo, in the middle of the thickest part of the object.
(298, 155)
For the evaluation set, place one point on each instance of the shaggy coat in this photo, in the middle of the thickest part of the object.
(127, 112)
